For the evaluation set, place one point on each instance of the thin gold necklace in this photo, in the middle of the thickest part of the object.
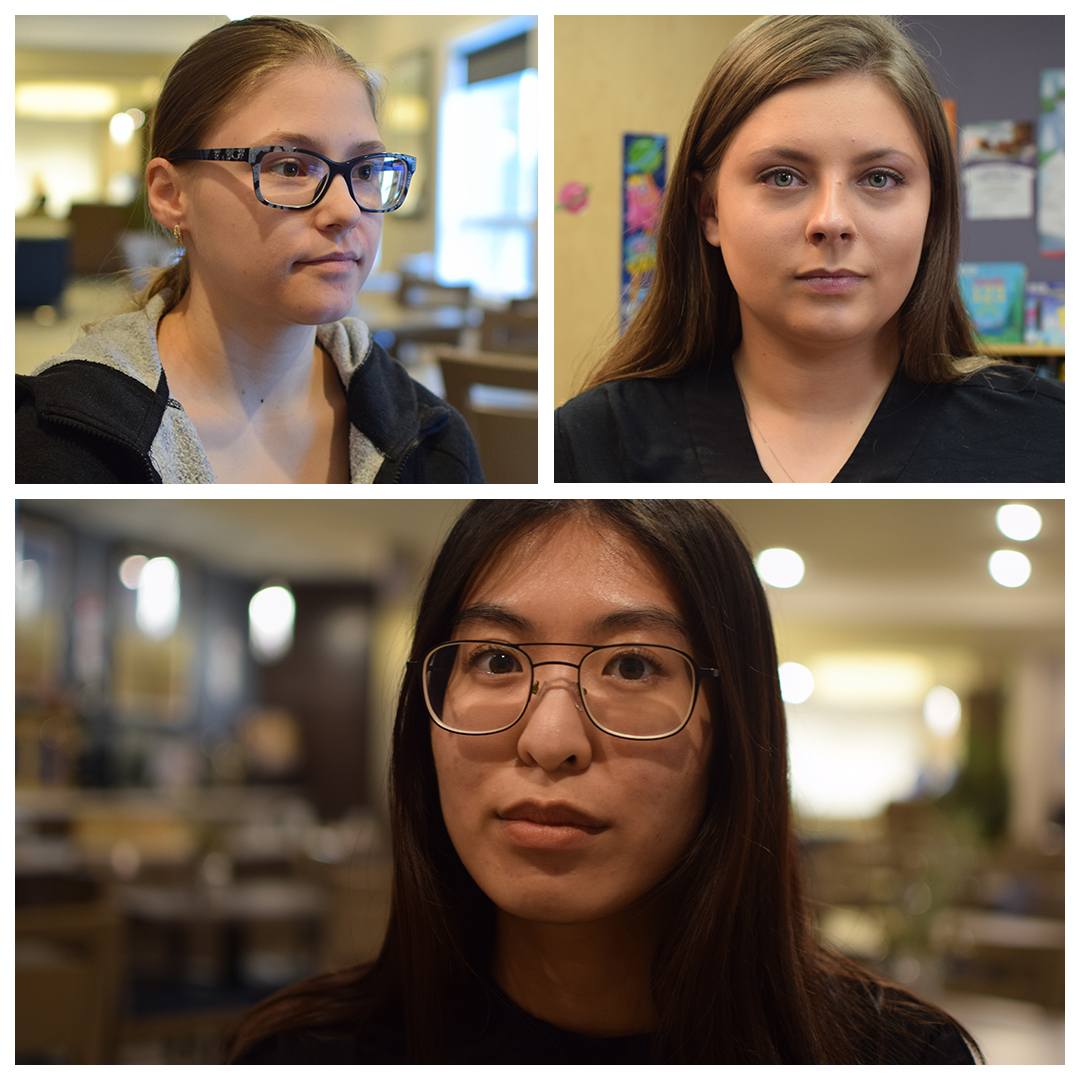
(761, 435)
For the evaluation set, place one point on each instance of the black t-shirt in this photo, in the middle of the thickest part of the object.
(1003, 424)
(504, 1034)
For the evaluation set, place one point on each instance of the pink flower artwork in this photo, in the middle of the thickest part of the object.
(573, 197)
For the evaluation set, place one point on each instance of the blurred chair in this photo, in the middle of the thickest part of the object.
(496, 393)
(67, 980)
(96, 229)
(418, 292)
(359, 912)
(42, 261)
(525, 305)
(509, 332)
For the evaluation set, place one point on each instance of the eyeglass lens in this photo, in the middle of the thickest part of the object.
(293, 178)
(637, 691)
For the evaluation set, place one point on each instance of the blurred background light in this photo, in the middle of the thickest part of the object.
(872, 679)
(271, 615)
(941, 710)
(157, 603)
(1009, 568)
(1019, 522)
(65, 101)
(121, 128)
(130, 569)
(796, 683)
(780, 567)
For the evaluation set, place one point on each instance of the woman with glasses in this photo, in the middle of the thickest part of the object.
(804, 323)
(593, 851)
(267, 169)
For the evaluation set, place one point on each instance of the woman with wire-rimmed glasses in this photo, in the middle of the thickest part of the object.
(593, 852)
(239, 366)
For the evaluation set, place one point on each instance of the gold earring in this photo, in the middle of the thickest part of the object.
(178, 236)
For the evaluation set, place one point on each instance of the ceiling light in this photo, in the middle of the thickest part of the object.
(1019, 522)
(1009, 568)
(65, 101)
(941, 711)
(796, 683)
(780, 567)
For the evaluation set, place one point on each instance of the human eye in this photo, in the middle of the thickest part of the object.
(288, 166)
(489, 658)
(634, 665)
(781, 178)
(883, 179)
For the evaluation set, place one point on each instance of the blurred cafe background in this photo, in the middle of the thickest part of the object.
(204, 691)
(453, 294)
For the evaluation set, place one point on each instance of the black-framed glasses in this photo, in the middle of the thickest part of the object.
(289, 178)
(632, 691)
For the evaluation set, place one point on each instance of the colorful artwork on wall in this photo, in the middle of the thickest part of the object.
(644, 176)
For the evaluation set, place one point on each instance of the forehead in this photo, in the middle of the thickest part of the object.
(855, 107)
(301, 97)
(574, 564)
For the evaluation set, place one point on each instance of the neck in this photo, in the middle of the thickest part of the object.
(238, 366)
(808, 406)
(590, 978)
(814, 381)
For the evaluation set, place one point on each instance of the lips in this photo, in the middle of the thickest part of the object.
(831, 282)
(551, 814)
(334, 257)
(829, 274)
(549, 826)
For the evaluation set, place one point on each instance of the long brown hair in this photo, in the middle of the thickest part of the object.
(739, 976)
(212, 76)
(690, 314)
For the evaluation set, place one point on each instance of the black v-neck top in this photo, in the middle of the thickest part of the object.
(1003, 424)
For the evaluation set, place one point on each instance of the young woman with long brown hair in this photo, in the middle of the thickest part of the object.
(804, 322)
(593, 851)
(239, 366)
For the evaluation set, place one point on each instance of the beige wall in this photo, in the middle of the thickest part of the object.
(614, 75)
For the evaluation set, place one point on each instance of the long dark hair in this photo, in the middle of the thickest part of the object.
(738, 976)
(691, 312)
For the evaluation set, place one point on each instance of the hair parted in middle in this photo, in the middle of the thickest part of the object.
(690, 314)
(738, 976)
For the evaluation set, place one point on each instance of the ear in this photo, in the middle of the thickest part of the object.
(703, 193)
(165, 192)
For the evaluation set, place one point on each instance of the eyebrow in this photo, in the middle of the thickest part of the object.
(301, 141)
(792, 154)
(629, 619)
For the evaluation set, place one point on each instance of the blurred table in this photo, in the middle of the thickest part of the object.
(230, 910)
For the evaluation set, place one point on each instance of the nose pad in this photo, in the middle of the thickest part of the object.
(569, 685)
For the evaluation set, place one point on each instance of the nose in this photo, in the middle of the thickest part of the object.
(831, 216)
(338, 207)
(557, 733)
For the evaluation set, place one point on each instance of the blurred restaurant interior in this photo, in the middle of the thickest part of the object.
(453, 293)
(204, 695)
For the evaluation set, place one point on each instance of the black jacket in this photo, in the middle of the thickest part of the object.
(86, 421)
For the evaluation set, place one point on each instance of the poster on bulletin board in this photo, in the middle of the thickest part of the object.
(644, 176)
(1051, 190)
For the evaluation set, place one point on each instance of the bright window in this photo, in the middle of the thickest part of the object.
(487, 190)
